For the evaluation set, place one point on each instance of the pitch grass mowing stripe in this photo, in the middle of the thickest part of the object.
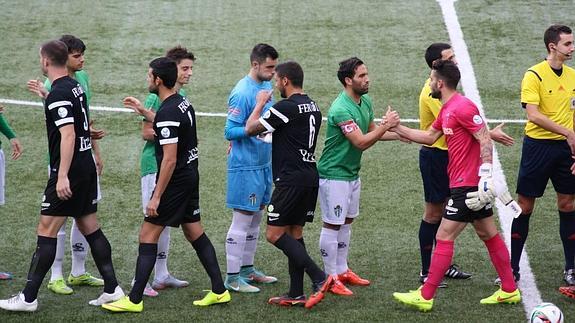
(530, 293)
(208, 114)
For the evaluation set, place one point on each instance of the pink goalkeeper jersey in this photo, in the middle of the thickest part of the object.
(459, 119)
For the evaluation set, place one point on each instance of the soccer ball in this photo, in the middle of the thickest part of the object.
(546, 312)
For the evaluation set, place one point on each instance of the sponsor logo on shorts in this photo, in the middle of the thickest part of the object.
(450, 202)
(337, 211)
(310, 213)
(273, 216)
(252, 199)
(196, 212)
(270, 208)
(451, 210)
(44, 205)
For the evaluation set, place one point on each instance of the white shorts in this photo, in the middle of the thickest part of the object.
(338, 200)
(2, 177)
(148, 183)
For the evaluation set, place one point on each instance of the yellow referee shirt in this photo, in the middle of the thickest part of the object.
(555, 96)
(428, 112)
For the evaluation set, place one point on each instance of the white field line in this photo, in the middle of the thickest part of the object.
(210, 114)
(530, 293)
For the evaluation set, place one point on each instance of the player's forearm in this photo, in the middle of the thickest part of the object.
(415, 135)
(389, 135)
(5, 128)
(149, 114)
(96, 148)
(538, 118)
(166, 171)
(485, 145)
(372, 137)
(67, 144)
(234, 130)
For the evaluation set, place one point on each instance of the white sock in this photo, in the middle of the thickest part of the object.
(236, 241)
(56, 270)
(252, 236)
(161, 266)
(343, 248)
(80, 248)
(328, 249)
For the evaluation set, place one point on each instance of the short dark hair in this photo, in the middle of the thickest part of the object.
(179, 53)
(262, 51)
(55, 51)
(74, 44)
(347, 68)
(448, 72)
(292, 71)
(553, 34)
(433, 52)
(166, 69)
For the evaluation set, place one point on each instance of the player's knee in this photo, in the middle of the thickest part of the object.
(526, 203)
(565, 204)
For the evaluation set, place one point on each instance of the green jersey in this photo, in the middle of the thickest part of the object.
(5, 129)
(340, 159)
(148, 164)
(82, 78)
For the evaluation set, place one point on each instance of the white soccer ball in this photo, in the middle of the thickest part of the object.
(546, 312)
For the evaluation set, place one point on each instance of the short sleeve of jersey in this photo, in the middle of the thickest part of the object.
(277, 116)
(470, 119)
(438, 123)
(237, 110)
(530, 88)
(60, 108)
(167, 126)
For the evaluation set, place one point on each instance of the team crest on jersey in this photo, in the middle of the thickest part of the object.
(252, 199)
(267, 114)
(165, 132)
(62, 112)
(477, 119)
(337, 211)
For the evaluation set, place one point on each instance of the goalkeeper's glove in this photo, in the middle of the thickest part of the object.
(509, 202)
(472, 201)
(485, 188)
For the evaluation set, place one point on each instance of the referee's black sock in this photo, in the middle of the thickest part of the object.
(296, 276)
(41, 262)
(567, 232)
(519, 233)
(297, 253)
(427, 232)
(102, 254)
(146, 261)
(207, 255)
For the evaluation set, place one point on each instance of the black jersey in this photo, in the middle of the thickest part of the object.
(175, 123)
(295, 123)
(66, 105)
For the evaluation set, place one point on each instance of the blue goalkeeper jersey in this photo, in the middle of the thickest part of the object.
(247, 153)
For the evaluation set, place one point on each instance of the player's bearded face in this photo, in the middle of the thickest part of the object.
(152, 87)
(435, 92)
(360, 81)
(280, 86)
